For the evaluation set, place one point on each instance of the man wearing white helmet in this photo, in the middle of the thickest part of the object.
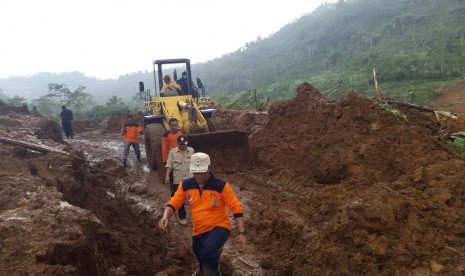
(208, 197)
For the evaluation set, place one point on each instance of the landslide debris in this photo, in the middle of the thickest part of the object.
(228, 119)
(114, 123)
(350, 189)
(59, 215)
(6, 108)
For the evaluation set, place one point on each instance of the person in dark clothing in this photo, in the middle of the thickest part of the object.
(184, 83)
(66, 118)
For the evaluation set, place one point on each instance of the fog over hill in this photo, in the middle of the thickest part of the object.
(337, 43)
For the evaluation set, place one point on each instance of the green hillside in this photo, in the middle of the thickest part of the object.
(415, 46)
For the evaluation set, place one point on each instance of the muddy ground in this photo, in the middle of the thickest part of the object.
(339, 188)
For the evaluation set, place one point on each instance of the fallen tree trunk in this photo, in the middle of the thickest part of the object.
(27, 145)
(414, 106)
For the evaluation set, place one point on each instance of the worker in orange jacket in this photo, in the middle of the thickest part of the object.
(169, 139)
(131, 131)
(208, 197)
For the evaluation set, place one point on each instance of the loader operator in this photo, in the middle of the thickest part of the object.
(169, 84)
(208, 198)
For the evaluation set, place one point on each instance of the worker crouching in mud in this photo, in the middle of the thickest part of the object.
(208, 198)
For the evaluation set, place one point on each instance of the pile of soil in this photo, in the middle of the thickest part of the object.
(114, 123)
(228, 119)
(32, 128)
(50, 129)
(6, 108)
(352, 139)
(341, 187)
(369, 193)
(80, 126)
(60, 215)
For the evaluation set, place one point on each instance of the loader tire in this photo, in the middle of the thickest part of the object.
(153, 134)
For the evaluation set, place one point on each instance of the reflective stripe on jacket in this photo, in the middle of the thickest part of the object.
(208, 208)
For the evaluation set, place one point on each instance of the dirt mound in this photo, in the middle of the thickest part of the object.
(50, 129)
(61, 216)
(353, 139)
(5, 108)
(34, 128)
(114, 123)
(228, 119)
(81, 126)
(379, 195)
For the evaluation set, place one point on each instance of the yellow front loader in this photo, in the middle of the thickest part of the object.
(229, 150)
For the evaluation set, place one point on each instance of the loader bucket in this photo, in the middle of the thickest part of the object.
(229, 151)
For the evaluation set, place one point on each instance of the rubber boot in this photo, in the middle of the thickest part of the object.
(208, 271)
(125, 163)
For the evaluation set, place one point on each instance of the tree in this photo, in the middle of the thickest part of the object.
(60, 91)
(46, 106)
(16, 101)
(3, 97)
(114, 100)
(79, 100)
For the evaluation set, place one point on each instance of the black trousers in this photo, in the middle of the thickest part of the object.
(68, 129)
(173, 188)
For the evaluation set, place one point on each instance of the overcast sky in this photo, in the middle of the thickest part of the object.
(108, 38)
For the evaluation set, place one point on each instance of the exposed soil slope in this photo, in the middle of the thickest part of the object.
(351, 189)
(61, 216)
(339, 188)
(451, 98)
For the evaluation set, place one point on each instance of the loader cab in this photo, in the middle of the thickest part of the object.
(185, 104)
(174, 68)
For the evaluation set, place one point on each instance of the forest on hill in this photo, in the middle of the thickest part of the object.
(416, 46)
(413, 44)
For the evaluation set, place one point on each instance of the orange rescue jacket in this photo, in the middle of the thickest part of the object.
(208, 208)
(168, 141)
(131, 132)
